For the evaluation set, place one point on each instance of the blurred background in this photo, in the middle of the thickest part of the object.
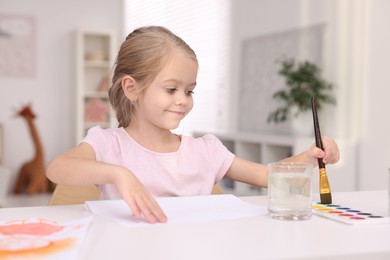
(50, 58)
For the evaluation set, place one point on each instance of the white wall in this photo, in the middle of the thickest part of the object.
(253, 18)
(374, 158)
(355, 60)
(51, 91)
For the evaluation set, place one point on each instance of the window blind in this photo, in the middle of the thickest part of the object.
(205, 26)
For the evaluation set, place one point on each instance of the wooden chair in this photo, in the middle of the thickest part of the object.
(74, 194)
(217, 190)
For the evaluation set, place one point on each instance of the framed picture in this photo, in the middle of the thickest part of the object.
(17, 45)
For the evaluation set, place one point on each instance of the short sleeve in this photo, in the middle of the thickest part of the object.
(220, 157)
(97, 139)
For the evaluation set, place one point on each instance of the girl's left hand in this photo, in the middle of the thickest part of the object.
(330, 154)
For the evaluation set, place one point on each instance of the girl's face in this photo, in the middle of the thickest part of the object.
(168, 98)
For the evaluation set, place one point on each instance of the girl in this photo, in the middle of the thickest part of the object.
(152, 86)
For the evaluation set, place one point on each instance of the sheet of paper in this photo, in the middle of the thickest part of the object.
(42, 238)
(180, 209)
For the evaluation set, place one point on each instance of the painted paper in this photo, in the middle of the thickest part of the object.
(42, 238)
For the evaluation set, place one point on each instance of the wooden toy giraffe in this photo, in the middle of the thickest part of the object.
(32, 178)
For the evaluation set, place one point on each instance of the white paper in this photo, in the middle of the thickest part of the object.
(180, 209)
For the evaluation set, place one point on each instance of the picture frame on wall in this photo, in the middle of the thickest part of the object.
(18, 45)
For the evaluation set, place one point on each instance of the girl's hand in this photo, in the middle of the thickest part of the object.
(140, 201)
(330, 154)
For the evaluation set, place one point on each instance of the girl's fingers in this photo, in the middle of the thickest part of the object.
(134, 207)
(146, 211)
(147, 207)
(139, 200)
(152, 211)
(332, 153)
(157, 212)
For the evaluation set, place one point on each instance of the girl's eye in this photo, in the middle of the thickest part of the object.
(190, 93)
(171, 90)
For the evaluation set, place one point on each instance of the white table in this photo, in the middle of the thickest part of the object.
(250, 238)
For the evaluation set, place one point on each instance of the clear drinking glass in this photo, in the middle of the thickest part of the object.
(290, 190)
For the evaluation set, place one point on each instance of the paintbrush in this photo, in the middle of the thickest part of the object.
(325, 194)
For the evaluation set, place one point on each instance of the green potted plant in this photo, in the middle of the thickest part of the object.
(304, 81)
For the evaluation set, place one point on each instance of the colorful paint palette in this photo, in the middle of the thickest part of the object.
(348, 215)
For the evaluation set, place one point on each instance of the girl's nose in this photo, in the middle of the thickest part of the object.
(181, 99)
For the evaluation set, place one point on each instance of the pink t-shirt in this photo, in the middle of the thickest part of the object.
(193, 169)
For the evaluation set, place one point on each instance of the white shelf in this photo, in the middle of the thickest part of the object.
(258, 147)
(266, 138)
(95, 57)
(268, 147)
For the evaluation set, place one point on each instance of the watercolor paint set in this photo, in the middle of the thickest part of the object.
(348, 215)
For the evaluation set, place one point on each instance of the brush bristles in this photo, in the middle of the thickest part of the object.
(326, 198)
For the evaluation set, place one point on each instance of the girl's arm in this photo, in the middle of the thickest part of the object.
(257, 174)
(79, 167)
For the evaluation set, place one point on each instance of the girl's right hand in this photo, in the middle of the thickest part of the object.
(140, 201)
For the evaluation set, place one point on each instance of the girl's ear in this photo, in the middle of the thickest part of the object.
(129, 86)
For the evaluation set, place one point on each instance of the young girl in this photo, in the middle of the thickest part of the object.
(151, 92)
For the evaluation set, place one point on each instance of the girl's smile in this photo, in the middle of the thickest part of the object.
(179, 113)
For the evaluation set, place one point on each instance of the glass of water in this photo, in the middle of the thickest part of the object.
(290, 190)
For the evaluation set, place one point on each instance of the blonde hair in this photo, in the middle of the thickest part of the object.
(142, 55)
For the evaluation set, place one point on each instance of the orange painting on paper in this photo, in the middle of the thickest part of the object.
(41, 238)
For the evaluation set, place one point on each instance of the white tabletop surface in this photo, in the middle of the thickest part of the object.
(242, 239)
